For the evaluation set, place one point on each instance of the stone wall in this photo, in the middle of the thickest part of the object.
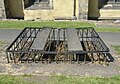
(61, 9)
(109, 14)
(2, 10)
(67, 9)
(83, 9)
(110, 11)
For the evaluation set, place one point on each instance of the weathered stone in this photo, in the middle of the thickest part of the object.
(83, 9)
(2, 10)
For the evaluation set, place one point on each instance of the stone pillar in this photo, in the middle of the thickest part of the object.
(2, 10)
(94, 12)
(83, 9)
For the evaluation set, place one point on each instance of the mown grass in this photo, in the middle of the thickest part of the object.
(117, 49)
(117, 30)
(60, 24)
(54, 24)
(5, 79)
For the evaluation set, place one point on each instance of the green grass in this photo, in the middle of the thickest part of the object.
(60, 24)
(84, 80)
(5, 79)
(107, 29)
(54, 24)
(2, 43)
(117, 49)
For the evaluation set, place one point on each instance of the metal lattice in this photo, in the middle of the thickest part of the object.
(49, 45)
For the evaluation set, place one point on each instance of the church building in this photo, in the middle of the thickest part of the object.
(59, 9)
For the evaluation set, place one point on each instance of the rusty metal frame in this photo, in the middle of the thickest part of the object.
(91, 42)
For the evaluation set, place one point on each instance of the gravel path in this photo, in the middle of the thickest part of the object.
(50, 69)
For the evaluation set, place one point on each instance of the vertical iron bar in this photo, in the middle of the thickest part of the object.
(78, 57)
(14, 57)
(64, 34)
(54, 34)
(10, 56)
(7, 57)
(85, 58)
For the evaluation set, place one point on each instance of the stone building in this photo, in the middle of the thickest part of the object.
(59, 9)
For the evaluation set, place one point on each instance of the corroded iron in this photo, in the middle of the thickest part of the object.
(68, 45)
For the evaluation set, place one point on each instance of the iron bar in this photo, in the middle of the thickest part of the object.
(57, 46)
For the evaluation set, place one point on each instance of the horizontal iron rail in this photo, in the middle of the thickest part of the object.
(16, 39)
(79, 52)
(53, 52)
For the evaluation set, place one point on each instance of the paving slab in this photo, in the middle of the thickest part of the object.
(41, 39)
(73, 40)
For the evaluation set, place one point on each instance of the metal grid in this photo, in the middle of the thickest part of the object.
(56, 47)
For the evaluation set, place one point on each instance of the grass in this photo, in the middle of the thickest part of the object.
(117, 49)
(2, 43)
(5, 79)
(61, 24)
(117, 30)
(84, 80)
(54, 24)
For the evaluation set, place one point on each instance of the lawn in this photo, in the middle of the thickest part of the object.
(84, 80)
(117, 30)
(56, 24)
(60, 24)
(8, 79)
(4, 79)
(117, 49)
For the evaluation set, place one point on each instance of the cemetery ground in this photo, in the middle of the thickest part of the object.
(38, 73)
